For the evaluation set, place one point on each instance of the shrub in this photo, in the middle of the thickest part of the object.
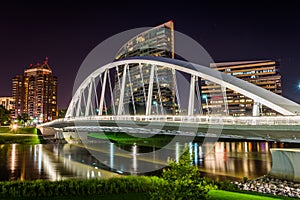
(42, 188)
(245, 179)
(181, 181)
(226, 185)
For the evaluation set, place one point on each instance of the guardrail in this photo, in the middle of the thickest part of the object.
(226, 120)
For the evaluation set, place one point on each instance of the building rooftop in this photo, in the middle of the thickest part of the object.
(38, 65)
(223, 64)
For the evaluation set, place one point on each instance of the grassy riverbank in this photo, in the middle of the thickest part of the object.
(25, 130)
(157, 140)
(146, 140)
(26, 135)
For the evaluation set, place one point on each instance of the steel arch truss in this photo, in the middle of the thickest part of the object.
(90, 97)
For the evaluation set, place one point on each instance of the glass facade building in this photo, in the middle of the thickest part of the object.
(263, 73)
(35, 93)
(158, 41)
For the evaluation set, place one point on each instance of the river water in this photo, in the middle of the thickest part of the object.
(227, 160)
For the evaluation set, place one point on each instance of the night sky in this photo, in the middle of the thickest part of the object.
(67, 31)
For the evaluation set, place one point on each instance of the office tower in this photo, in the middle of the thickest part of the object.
(263, 73)
(158, 41)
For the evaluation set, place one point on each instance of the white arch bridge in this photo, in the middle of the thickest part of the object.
(159, 89)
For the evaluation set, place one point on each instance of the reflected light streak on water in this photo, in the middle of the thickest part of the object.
(177, 151)
(112, 155)
(134, 160)
(13, 158)
(196, 153)
(40, 153)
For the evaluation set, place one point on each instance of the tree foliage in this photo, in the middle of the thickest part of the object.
(62, 113)
(4, 115)
(182, 181)
(23, 118)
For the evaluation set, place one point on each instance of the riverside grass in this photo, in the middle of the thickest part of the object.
(26, 135)
(25, 130)
(157, 140)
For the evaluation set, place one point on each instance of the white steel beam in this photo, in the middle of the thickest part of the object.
(78, 106)
(122, 91)
(278, 103)
(191, 96)
(255, 111)
(150, 92)
(102, 93)
(176, 89)
(112, 101)
(88, 103)
(131, 92)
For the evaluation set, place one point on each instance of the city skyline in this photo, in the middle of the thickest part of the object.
(66, 32)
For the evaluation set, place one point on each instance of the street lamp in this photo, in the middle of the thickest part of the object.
(204, 96)
(14, 127)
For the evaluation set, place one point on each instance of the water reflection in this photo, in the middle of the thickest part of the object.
(52, 162)
(134, 159)
(13, 158)
(61, 161)
(237, 159)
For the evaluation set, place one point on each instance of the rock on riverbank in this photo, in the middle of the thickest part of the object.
(270, 185)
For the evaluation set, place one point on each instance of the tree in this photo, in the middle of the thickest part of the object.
(23, 118)
(182, 181)
(4, 115)
(62, 113)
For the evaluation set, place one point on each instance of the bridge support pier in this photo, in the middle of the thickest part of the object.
(286, 164)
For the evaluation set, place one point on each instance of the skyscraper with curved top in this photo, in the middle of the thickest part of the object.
(35, 92)
(157, 41)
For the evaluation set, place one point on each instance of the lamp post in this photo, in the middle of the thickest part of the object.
(204, 96)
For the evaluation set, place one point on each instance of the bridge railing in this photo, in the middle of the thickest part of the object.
(225, 120)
